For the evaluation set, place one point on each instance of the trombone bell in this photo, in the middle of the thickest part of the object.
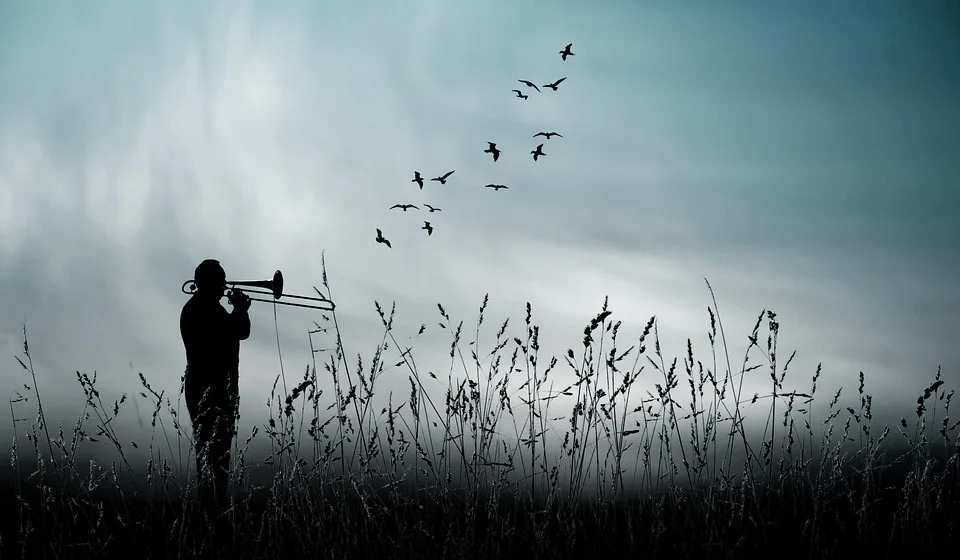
(275, 285)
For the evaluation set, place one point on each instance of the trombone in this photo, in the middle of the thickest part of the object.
(275, 288)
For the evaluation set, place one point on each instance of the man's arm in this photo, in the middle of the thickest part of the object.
(240, 321)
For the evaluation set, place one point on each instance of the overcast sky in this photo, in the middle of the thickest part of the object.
(799, 155)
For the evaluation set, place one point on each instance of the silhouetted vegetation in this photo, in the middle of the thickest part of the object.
(503, 456)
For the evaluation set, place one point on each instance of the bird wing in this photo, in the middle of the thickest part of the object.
(411, 206)
(540, 134)
(568, 47)
(558, 134)
(395, 206)
(449, 173)
(557, 83)
(379, 233)
(493, 145)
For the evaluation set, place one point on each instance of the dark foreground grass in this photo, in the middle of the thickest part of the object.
(494, 469)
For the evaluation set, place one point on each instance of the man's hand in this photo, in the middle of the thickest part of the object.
(239, 300)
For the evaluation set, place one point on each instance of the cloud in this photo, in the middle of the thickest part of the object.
(804, 175)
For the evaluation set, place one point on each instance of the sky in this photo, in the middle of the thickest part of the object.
(800, 156)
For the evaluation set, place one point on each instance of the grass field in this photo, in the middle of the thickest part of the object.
(515, 459)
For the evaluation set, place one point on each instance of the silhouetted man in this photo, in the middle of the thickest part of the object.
(211, 338)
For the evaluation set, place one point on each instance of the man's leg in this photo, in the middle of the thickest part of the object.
(199, 399)
(223, 441)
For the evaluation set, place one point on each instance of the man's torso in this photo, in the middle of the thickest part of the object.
(212, 349)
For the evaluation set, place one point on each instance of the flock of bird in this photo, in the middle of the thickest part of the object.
(491, 149)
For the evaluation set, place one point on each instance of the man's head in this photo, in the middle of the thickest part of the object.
(210, 279)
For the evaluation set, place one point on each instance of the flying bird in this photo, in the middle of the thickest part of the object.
(428, 227)
(520, 94)
(443, 178)
(538, 152)
(554, 85)
(417, 179)
(382, 239)
(566, 52)
(403, 207)
(530, 84)
(496, 187)
(493, 150)
(547, 135)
